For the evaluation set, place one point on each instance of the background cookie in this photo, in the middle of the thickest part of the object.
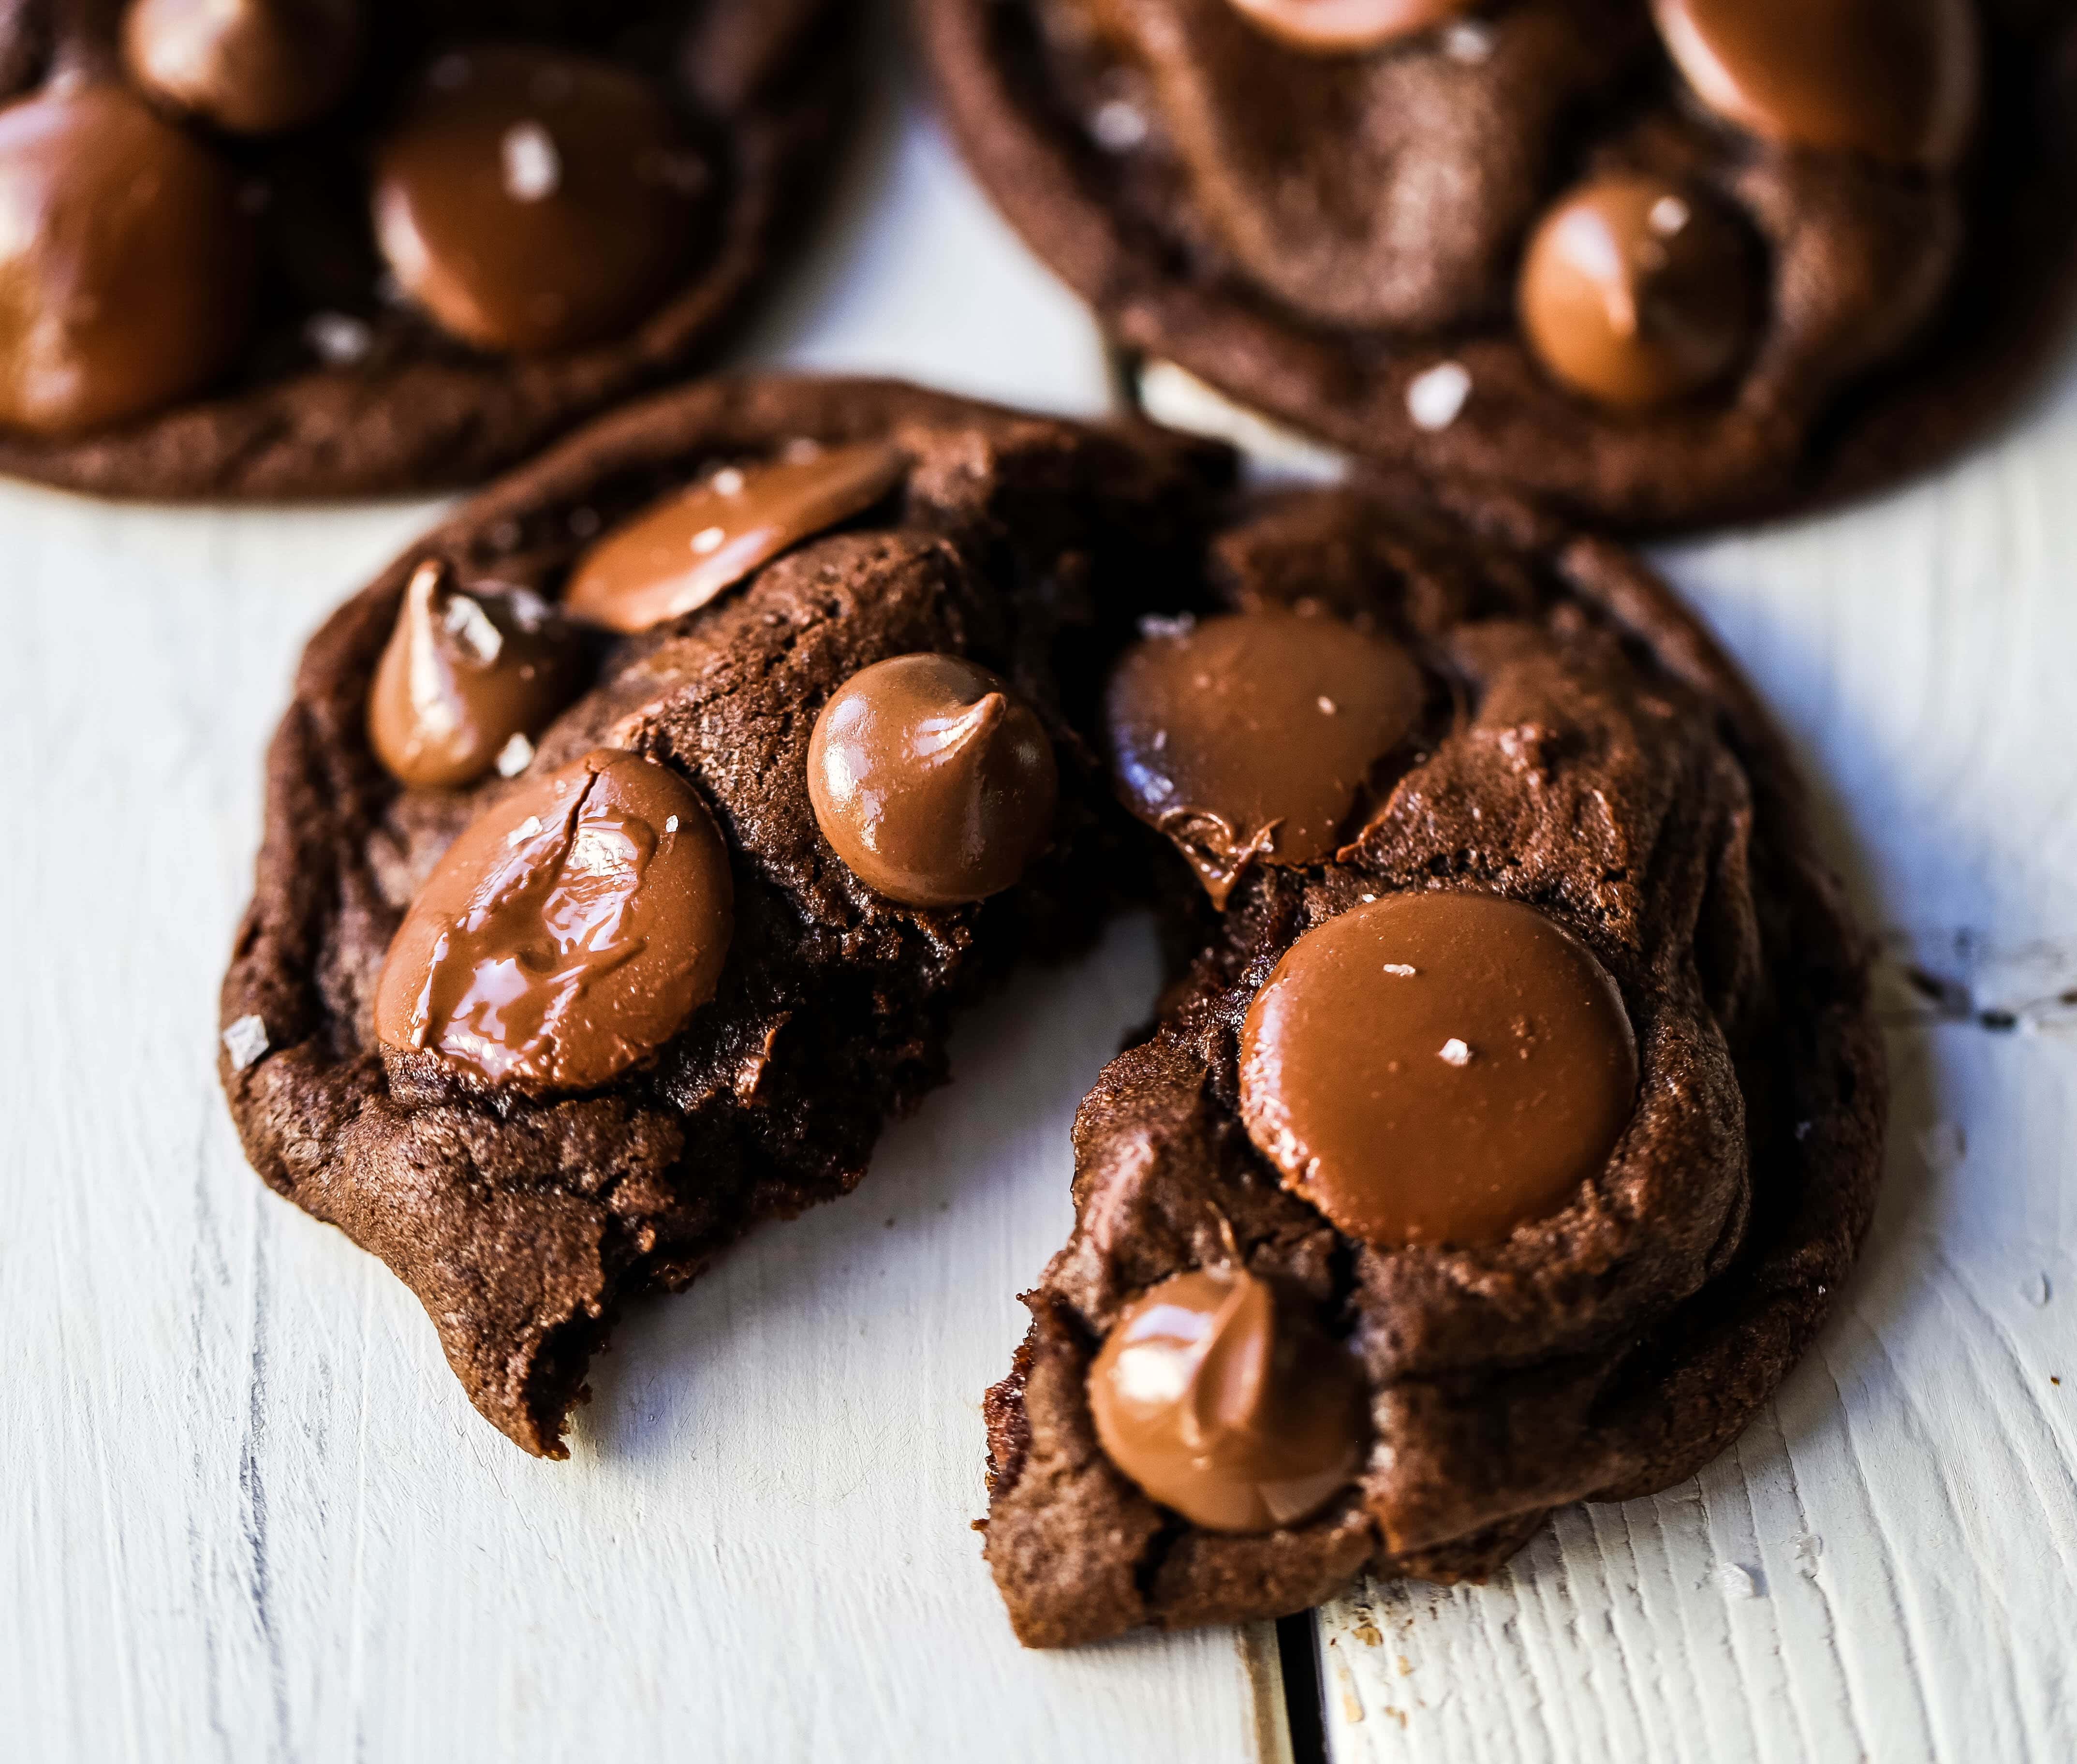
(1336, 239)
(322, 247)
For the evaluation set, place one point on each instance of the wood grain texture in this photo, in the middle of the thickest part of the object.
(254, 1518)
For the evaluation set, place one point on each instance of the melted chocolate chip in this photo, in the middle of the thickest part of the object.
(252, 66)
(935, 784)
(1249, 736)
(678, 555)
(533, 201)
(568, 933)
(126, 266)
(1438, 1068)
(466, 681)
(1346, 26)
(1897, 79)
(1637, 292)
(1228, 1405)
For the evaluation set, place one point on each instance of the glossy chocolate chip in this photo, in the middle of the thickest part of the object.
(1637, 292)
(1224, 1402)
(568, 933)
(1346, 26)
(934, 783)
(1249, 736)
(674, 557)
(1899, 80)
(467, 680)
(533, 200)
(251, 67)
(126, 264)
(1438, 1068)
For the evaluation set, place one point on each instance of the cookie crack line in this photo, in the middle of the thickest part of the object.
(1580, 972)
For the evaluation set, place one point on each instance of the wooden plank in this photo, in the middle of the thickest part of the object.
(254, 1518)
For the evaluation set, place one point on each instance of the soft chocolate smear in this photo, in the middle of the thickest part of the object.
(935, 784)
(533, 201)
(1438, 1068)
(1899, 80)
(1249, 736)
(467, 680)
(1637, 291)
(251, 67)
(677, 556)
(1227, 1403)
(568, 933)
(1383, 190)
(1346, 26)
(126, 265)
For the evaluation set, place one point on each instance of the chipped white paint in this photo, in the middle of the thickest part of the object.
(252, 1518)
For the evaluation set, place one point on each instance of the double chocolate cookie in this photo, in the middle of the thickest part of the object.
(1661, 262)
(275, 248)
(1515, 1112)
(631, 841)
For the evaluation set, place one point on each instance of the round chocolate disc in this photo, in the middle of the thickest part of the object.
(935, 782)
(467, 680)
(126, 265)
(1227, 1404)
(535, 201)
(677, 556)
(1897, 79)
(1438, 1068)
(251, 67)
(1346, 26)
(1637, 292)
(568, 933)
(1251, 735)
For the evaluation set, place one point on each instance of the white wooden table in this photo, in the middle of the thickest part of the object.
(252, 1516)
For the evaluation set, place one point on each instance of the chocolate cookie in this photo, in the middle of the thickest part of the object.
(573, 953)
(1515, 1112)
(289, 249)
(1661, 262)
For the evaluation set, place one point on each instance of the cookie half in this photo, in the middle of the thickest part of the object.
(1515, 1114)
(603, 985)
(1663, 263)
(297, 249)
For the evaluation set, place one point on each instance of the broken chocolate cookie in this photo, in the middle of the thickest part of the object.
(546, 1023)
(1529, 1092)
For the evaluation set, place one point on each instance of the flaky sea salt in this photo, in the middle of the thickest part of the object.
(525, 831)
(469, 622)
(1736, 1581)
(338, 339)
(671, 825)
(728, 481)
(708, 540)
(1159, 624)
(1403, 970)
(1455, 1053)
(533, 168)
(1468, 42)
(1435, 398)
(1118, 126)
(1668, 216)
(245, 1041)
(515, 757)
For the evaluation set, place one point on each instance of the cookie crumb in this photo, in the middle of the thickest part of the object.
(245, 1041)
(1435, 398)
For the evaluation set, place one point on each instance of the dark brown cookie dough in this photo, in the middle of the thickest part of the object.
(352, 375)
(1317, 234)
(1589, 752)
(522, 1215)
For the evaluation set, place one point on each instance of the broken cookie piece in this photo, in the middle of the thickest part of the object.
(1542, 1108)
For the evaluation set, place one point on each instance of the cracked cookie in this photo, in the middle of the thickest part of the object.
(291, 248)
(1511, 1118)
(1660, 262)
(612, 897)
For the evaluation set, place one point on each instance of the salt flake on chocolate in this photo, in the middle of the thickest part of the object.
(245, 1041)
(1435, 398)
(1453, 1052)
(533, 168)
(515, 757)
